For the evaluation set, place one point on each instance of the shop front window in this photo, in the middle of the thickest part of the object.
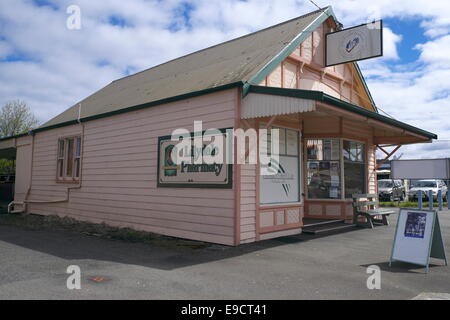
(284, 186)
(325, 157)
(323, 168)
(354, 168)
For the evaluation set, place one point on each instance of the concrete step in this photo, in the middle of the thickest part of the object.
(320, 222)
(336, 226)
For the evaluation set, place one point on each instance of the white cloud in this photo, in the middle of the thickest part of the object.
(390, 42)
(61, 67)
(435, 51)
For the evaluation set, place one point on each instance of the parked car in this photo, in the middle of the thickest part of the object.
(391, 190)
(425, 185)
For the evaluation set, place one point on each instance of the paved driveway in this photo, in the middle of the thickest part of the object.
(33, 266)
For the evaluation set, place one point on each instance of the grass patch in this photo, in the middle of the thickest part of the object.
(409, 204)
(66, 224)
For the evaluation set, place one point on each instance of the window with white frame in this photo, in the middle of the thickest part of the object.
(69, 159)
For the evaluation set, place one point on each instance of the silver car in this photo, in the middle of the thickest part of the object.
(390, 190)
(426, 185)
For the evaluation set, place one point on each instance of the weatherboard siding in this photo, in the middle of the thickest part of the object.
(119, 167)
(372, 171)
(305, 69)
(248, 203)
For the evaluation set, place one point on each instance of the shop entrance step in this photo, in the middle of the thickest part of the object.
(316, 226)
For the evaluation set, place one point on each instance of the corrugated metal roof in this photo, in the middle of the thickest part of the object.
(347, 106)
(263, 105)
(229, 62)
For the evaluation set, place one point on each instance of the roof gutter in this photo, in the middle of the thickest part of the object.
(193, 94)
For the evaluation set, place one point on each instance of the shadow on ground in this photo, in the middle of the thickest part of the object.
(401, 267)
(169, 254)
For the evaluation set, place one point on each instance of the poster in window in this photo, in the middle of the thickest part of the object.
(282, 187)
(335, 181)
(324, 166)
(326, 149)
(291, 142)
(335, 147)
(333, 192)
(334, 168)
(313, 166)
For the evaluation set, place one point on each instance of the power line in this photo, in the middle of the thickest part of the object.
(339, 25)
(390, 116)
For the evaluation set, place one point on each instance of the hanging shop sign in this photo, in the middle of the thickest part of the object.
(418, 237)
(191, 173)
(353, 44)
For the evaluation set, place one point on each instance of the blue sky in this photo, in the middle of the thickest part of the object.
(412, 34)
(51, 67)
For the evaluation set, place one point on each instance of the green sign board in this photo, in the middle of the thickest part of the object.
(193, 174)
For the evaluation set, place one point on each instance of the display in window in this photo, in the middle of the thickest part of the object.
(334, 192)
(313, 166)
(328, 149)
(323, 180)
(334, 167)
(324, 166)
(335, 150)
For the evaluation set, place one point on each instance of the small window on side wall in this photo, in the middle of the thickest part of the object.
(69, 159)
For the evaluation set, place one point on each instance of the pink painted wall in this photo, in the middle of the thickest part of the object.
(119, 173)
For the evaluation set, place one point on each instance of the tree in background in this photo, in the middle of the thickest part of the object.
(15, 118)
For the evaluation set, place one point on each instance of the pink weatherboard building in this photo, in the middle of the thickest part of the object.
(105, 158)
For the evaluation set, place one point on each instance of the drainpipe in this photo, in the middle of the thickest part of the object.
(23, 203)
